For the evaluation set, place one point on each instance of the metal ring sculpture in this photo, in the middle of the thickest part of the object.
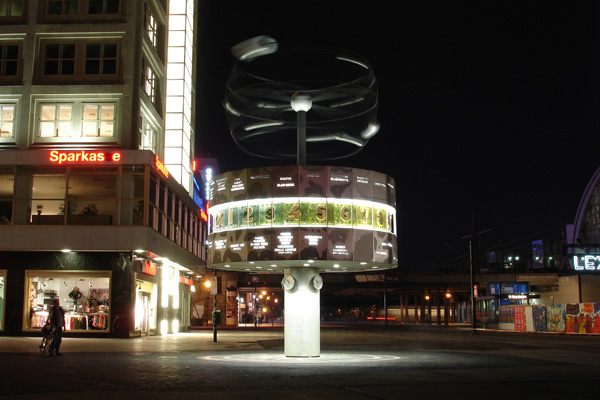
(341, 85)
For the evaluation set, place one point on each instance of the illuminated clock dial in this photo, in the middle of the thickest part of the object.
(317, 282)
(288, 282)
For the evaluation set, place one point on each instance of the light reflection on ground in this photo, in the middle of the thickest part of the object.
(330, 358)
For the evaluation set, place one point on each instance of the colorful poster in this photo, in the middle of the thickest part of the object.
(555, 318)
(539, 318)
(520, 318)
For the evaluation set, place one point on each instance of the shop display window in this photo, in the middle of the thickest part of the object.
(2, 297)
(83, 295)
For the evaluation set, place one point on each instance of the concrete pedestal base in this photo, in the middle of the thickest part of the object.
(302, 328)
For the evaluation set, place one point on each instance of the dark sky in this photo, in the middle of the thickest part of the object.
(488, 107)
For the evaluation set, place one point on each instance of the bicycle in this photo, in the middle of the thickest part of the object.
(47, 345)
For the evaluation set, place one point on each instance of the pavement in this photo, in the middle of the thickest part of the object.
(356, 362)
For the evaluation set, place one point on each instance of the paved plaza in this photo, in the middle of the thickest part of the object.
(357, 362)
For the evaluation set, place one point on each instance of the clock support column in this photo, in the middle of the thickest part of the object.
(302, 327)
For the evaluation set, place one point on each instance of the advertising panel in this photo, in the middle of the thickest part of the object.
(285, 244)
(284, 181)
(313, 181)
(313, 243)
(363, 245)
(236, 243)
(259, 183)
(220, 189)
(340, 243)
(259, 244)
(383, 247)
(219, 247)
(237, 184)
(363, 184)
(340, 182)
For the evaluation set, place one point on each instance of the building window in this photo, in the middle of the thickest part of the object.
(103, 7)
(151, 26)
(98, 120)
(75, 10)
(7, 118)
(100, 58)
(11, 8)
(79, 61)
(9, 59)
(56, 120)
(59, 59)
(149, 135)
(10, 64)
(63, 7)
(149, 82)
(77, 120)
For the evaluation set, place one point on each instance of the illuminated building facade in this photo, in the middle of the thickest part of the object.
(98, 203)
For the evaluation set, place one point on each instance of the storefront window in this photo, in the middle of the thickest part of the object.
(2, 297)
(84, 296)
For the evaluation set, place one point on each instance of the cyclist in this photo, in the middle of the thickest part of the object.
(57, 319)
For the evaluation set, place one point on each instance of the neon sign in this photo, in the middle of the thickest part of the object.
(203, 215)
(83, 156)
(588, 263)
(161, 167)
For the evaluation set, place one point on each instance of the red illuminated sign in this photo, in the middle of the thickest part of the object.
(203, 215)
(149, 267)
(161, 167)
(83, 156)
(186, 281)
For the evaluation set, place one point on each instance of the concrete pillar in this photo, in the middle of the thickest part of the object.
(402, 308)
(416, 308)
(439, 308)
(302, 329)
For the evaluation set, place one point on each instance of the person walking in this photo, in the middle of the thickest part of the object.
(57, 319)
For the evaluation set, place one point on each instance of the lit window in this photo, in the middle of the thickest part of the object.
(59, 59)
(148, 137)
(148, 82)
(11, 8)
(98, 120)
(77, 120)
(103, 7)
(63, 7)
(151, 26)
(6, 120)
(56, 120)
(100, 58)
(9, 59)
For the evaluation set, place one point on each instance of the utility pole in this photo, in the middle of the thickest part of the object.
(472, 252)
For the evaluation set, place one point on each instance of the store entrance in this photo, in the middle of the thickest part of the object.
(145, 323)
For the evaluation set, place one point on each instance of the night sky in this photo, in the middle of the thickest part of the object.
(488, 107)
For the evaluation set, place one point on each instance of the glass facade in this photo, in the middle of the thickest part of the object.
(83, 295)
(107, 195)
(2, 297)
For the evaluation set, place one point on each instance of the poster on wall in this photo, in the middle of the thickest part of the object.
(582, 318)
(520, 318)
(539, 318)
(555, 318)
